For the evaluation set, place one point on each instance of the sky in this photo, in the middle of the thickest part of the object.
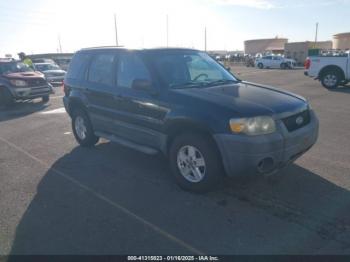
(35, 26)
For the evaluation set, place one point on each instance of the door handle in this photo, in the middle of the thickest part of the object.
(118, 98)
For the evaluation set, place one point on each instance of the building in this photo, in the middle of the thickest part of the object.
(341, 41)
(299, 50)
(271, 45)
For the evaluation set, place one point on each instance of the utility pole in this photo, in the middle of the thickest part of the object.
(116, 31)
(59, 44)
(167, 31)
(316, 34)
(205, 39)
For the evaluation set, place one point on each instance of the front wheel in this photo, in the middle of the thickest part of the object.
(6, 99)
(195, 163)
(330, 79)
(261, 66)
(82, 129)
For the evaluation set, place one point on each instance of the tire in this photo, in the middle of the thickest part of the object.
(207, 161)
(45, 99)
(330, 79)
(83, 131)
(6, 99)
(260, 66)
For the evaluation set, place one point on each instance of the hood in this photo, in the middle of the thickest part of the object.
(24, 75)
(248, 99)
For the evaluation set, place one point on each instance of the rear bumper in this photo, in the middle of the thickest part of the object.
(65, 103)
(243, 155)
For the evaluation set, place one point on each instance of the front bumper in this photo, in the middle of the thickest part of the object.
(249, 155)
(31, 92)
(56, 81)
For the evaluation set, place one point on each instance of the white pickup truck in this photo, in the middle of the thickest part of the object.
(330, 70)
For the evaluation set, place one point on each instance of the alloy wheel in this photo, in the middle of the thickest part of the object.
(191, 164)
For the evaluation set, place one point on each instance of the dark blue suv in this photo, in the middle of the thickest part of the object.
(184, 104)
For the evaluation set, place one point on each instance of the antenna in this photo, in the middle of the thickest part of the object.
(59, 44)
(116, 31)
(167, 31)
(205, 39)
(316, 34)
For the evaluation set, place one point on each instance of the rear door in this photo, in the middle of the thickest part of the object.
(100, 87)
(141, 114)
(276, 61)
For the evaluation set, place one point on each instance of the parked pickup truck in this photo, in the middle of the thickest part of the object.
(330, 70)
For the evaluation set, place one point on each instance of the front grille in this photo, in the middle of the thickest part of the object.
(297, 121)
(36, 82)
(40, 90)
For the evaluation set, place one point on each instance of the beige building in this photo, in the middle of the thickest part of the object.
(341, 41)
(273, 45)
(299, 50)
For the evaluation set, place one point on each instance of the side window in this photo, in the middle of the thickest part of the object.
(102, 69)
(78, 65)
(130, 67)
(268, 57)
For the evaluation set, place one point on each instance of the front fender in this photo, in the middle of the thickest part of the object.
(202, 120)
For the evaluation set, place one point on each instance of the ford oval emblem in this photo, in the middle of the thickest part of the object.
(299, 120)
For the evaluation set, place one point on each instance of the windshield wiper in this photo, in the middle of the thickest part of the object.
(189, 84)
(222, 82)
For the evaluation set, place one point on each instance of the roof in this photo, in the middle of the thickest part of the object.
(308, 42)
(265, 39)
(137, 49)
(342, 34)
(43, 63)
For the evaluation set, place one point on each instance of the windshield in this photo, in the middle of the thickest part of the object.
(13, 67)
(46, 67)
(187, 70)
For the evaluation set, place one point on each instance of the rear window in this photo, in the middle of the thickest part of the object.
(77, 67)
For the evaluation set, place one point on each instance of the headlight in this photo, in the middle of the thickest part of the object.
(260, 125)
(19, 83)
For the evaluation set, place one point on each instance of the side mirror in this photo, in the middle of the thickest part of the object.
(228, 69)
(142, 85)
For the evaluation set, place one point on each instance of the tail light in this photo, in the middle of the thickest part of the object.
(307, 63)
(65, 89)
(62, 86)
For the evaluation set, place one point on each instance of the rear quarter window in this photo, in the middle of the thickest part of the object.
(78, 66)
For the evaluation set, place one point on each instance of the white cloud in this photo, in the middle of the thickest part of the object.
(259, 4)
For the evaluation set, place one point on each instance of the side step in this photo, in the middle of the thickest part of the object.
(144, 149)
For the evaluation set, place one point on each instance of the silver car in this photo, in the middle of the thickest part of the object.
(53, 73)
